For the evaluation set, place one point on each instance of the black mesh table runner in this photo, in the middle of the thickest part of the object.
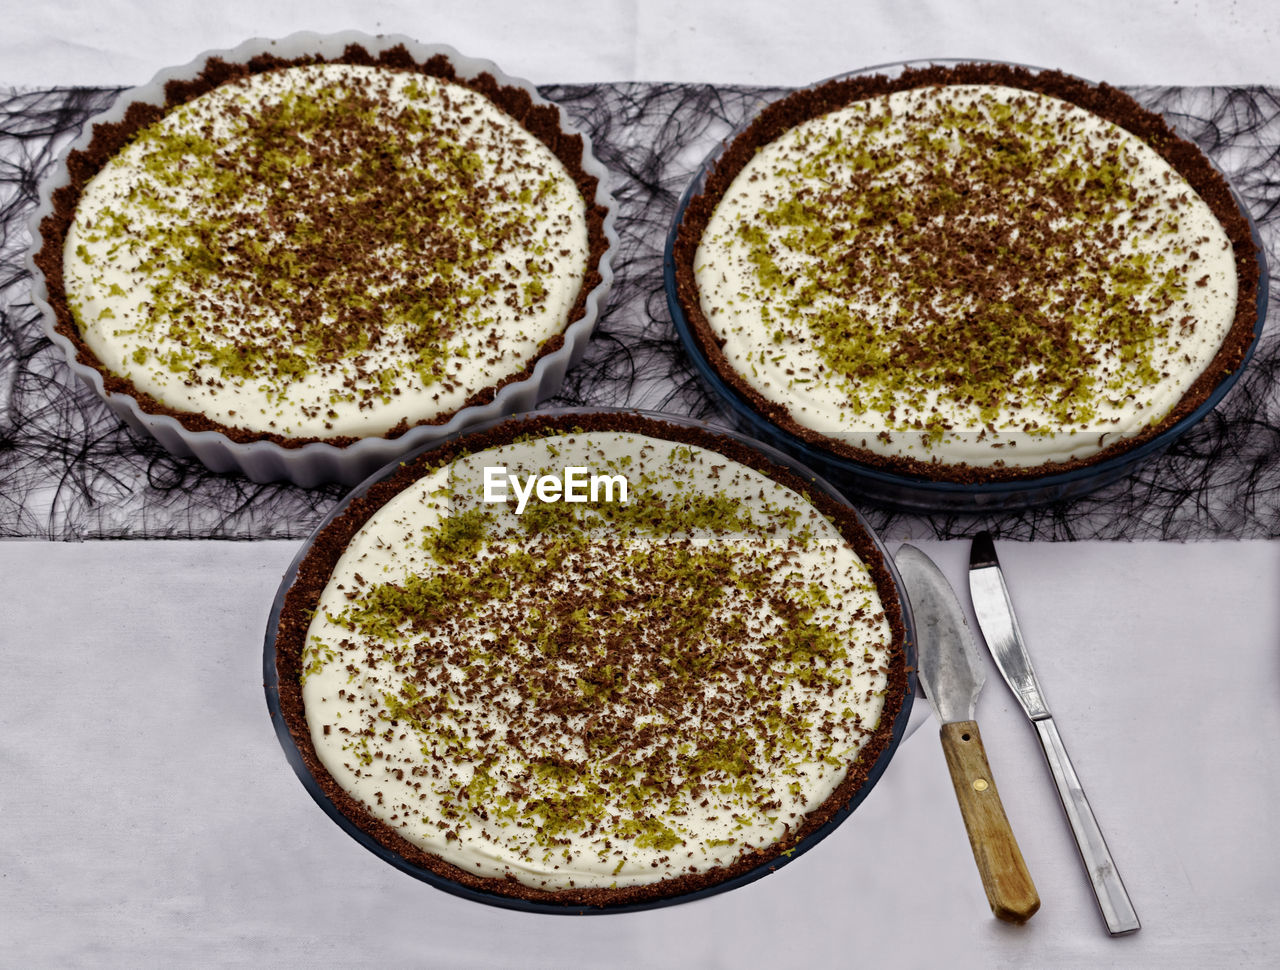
(69, 469)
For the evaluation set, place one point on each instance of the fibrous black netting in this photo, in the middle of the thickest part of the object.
(70, 469)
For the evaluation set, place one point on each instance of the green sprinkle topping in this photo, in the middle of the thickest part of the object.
(615, 672)
(321, 227)
(974, 251)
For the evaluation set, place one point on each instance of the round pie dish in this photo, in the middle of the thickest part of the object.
(661, 692)
(964, 286)
(300, 258)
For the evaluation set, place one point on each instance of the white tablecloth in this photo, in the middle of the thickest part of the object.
(148, 816)
(725, 41)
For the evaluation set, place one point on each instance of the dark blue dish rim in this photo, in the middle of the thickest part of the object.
(294, 756)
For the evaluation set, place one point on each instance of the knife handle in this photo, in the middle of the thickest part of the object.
(1113, 900)
(1010, 891)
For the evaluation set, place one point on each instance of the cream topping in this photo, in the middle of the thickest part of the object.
(966, 273)
(596, 695)
(326, 251)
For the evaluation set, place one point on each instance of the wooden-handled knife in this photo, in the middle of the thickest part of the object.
(950, 670)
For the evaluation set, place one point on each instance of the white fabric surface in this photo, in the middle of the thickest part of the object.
(148, 816)
(727, 41)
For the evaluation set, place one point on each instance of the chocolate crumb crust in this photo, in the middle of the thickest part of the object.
(540, 120)
(313, 575)
(1103, 100)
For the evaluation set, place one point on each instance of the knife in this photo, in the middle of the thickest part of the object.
(994, 610)
(950, 670)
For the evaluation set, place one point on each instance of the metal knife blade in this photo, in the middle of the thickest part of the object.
(950, 669)
(948, 664)
(999, 625)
